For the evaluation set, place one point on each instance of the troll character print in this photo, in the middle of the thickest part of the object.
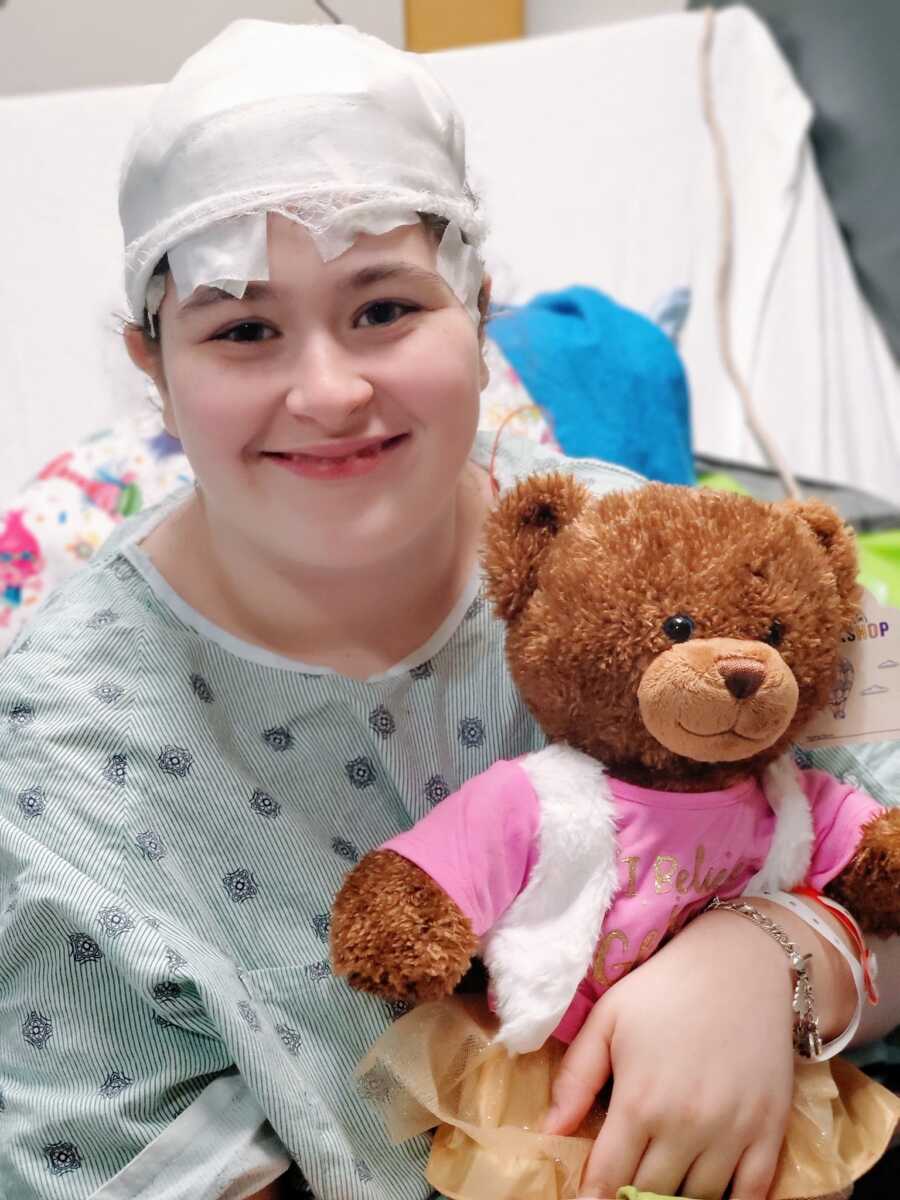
(20, 558)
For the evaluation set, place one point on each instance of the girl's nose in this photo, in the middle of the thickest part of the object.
(326, 385)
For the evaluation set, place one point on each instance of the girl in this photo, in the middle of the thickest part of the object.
(271, 674)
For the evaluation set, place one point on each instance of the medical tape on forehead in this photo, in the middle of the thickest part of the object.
(227, 255)
(231, 253)
(461, 267)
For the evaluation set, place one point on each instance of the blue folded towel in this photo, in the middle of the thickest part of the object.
(609, 381)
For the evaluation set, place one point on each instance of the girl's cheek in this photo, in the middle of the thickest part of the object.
(435, 367)
(200, 387)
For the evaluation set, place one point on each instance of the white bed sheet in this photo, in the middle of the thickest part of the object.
(595, 167)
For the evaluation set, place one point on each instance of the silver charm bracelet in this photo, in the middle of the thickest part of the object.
(807, 1040)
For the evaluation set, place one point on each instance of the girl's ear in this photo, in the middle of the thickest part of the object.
(484, 302)
(519, 533)
(147, 357)
(143, 352)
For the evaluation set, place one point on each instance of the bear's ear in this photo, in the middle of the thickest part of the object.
(836, 539)
(519, 532)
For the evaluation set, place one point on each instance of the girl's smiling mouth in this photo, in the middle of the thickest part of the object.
(343, 459)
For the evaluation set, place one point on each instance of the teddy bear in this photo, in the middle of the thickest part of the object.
(671, 643)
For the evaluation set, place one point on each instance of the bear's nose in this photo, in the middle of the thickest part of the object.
(743, 676)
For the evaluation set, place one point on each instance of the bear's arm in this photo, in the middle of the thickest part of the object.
(869, 885)
(408, 919)
(395, 932)
(856, 857)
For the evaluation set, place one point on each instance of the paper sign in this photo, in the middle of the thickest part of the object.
(865, 698)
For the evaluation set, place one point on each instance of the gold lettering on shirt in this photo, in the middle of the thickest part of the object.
(648, 945)
(664, 874)
(735, 873)
(633, 862)
(683, 882)
(714, 880)
(696, 879)
(602, 965)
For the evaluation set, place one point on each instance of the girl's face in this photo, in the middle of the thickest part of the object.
(328, 415)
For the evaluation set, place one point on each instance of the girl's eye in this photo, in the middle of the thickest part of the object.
(246, 331)
(383, 312)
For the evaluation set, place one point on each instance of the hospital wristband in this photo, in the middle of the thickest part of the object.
(862, 979)
(807, 1041)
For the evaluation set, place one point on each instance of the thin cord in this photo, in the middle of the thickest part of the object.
(495, 486)
(329, 12)
(723, 272)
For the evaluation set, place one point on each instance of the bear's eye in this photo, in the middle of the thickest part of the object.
(775, 634)
(678, 628)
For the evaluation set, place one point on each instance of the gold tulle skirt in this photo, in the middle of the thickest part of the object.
(437, 1068)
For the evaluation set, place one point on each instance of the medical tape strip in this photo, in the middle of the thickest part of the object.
(231, 253)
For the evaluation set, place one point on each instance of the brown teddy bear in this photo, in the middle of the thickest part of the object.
(671, 643)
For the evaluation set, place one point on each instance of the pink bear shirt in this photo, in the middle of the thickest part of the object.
(673, 852)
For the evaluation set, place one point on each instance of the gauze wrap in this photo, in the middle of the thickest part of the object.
(320, 123)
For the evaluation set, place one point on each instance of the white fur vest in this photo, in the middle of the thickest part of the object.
(542, 946)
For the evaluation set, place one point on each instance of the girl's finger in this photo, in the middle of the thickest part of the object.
(582, 1073)
(617, 1152)
(664, 1165)
(755, 1171)
(710, 1174)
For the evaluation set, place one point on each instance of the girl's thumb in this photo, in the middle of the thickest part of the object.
(582, 1073)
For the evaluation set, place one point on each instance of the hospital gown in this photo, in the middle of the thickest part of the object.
(177, 811)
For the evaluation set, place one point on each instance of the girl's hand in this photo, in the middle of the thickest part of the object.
(699, 1041)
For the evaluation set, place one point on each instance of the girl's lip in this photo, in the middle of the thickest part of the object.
(348, 464)
(338, 449)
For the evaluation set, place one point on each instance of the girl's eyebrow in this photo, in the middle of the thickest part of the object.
(203, 296)
(379, 272)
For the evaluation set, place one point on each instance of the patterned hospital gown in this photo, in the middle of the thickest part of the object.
(177, 811)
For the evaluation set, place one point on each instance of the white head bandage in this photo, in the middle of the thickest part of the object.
(320, 123)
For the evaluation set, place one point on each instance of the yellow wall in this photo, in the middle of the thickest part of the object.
(437, 24)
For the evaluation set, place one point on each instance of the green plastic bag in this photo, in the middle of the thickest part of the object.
(879, 564)
(632, 1193)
